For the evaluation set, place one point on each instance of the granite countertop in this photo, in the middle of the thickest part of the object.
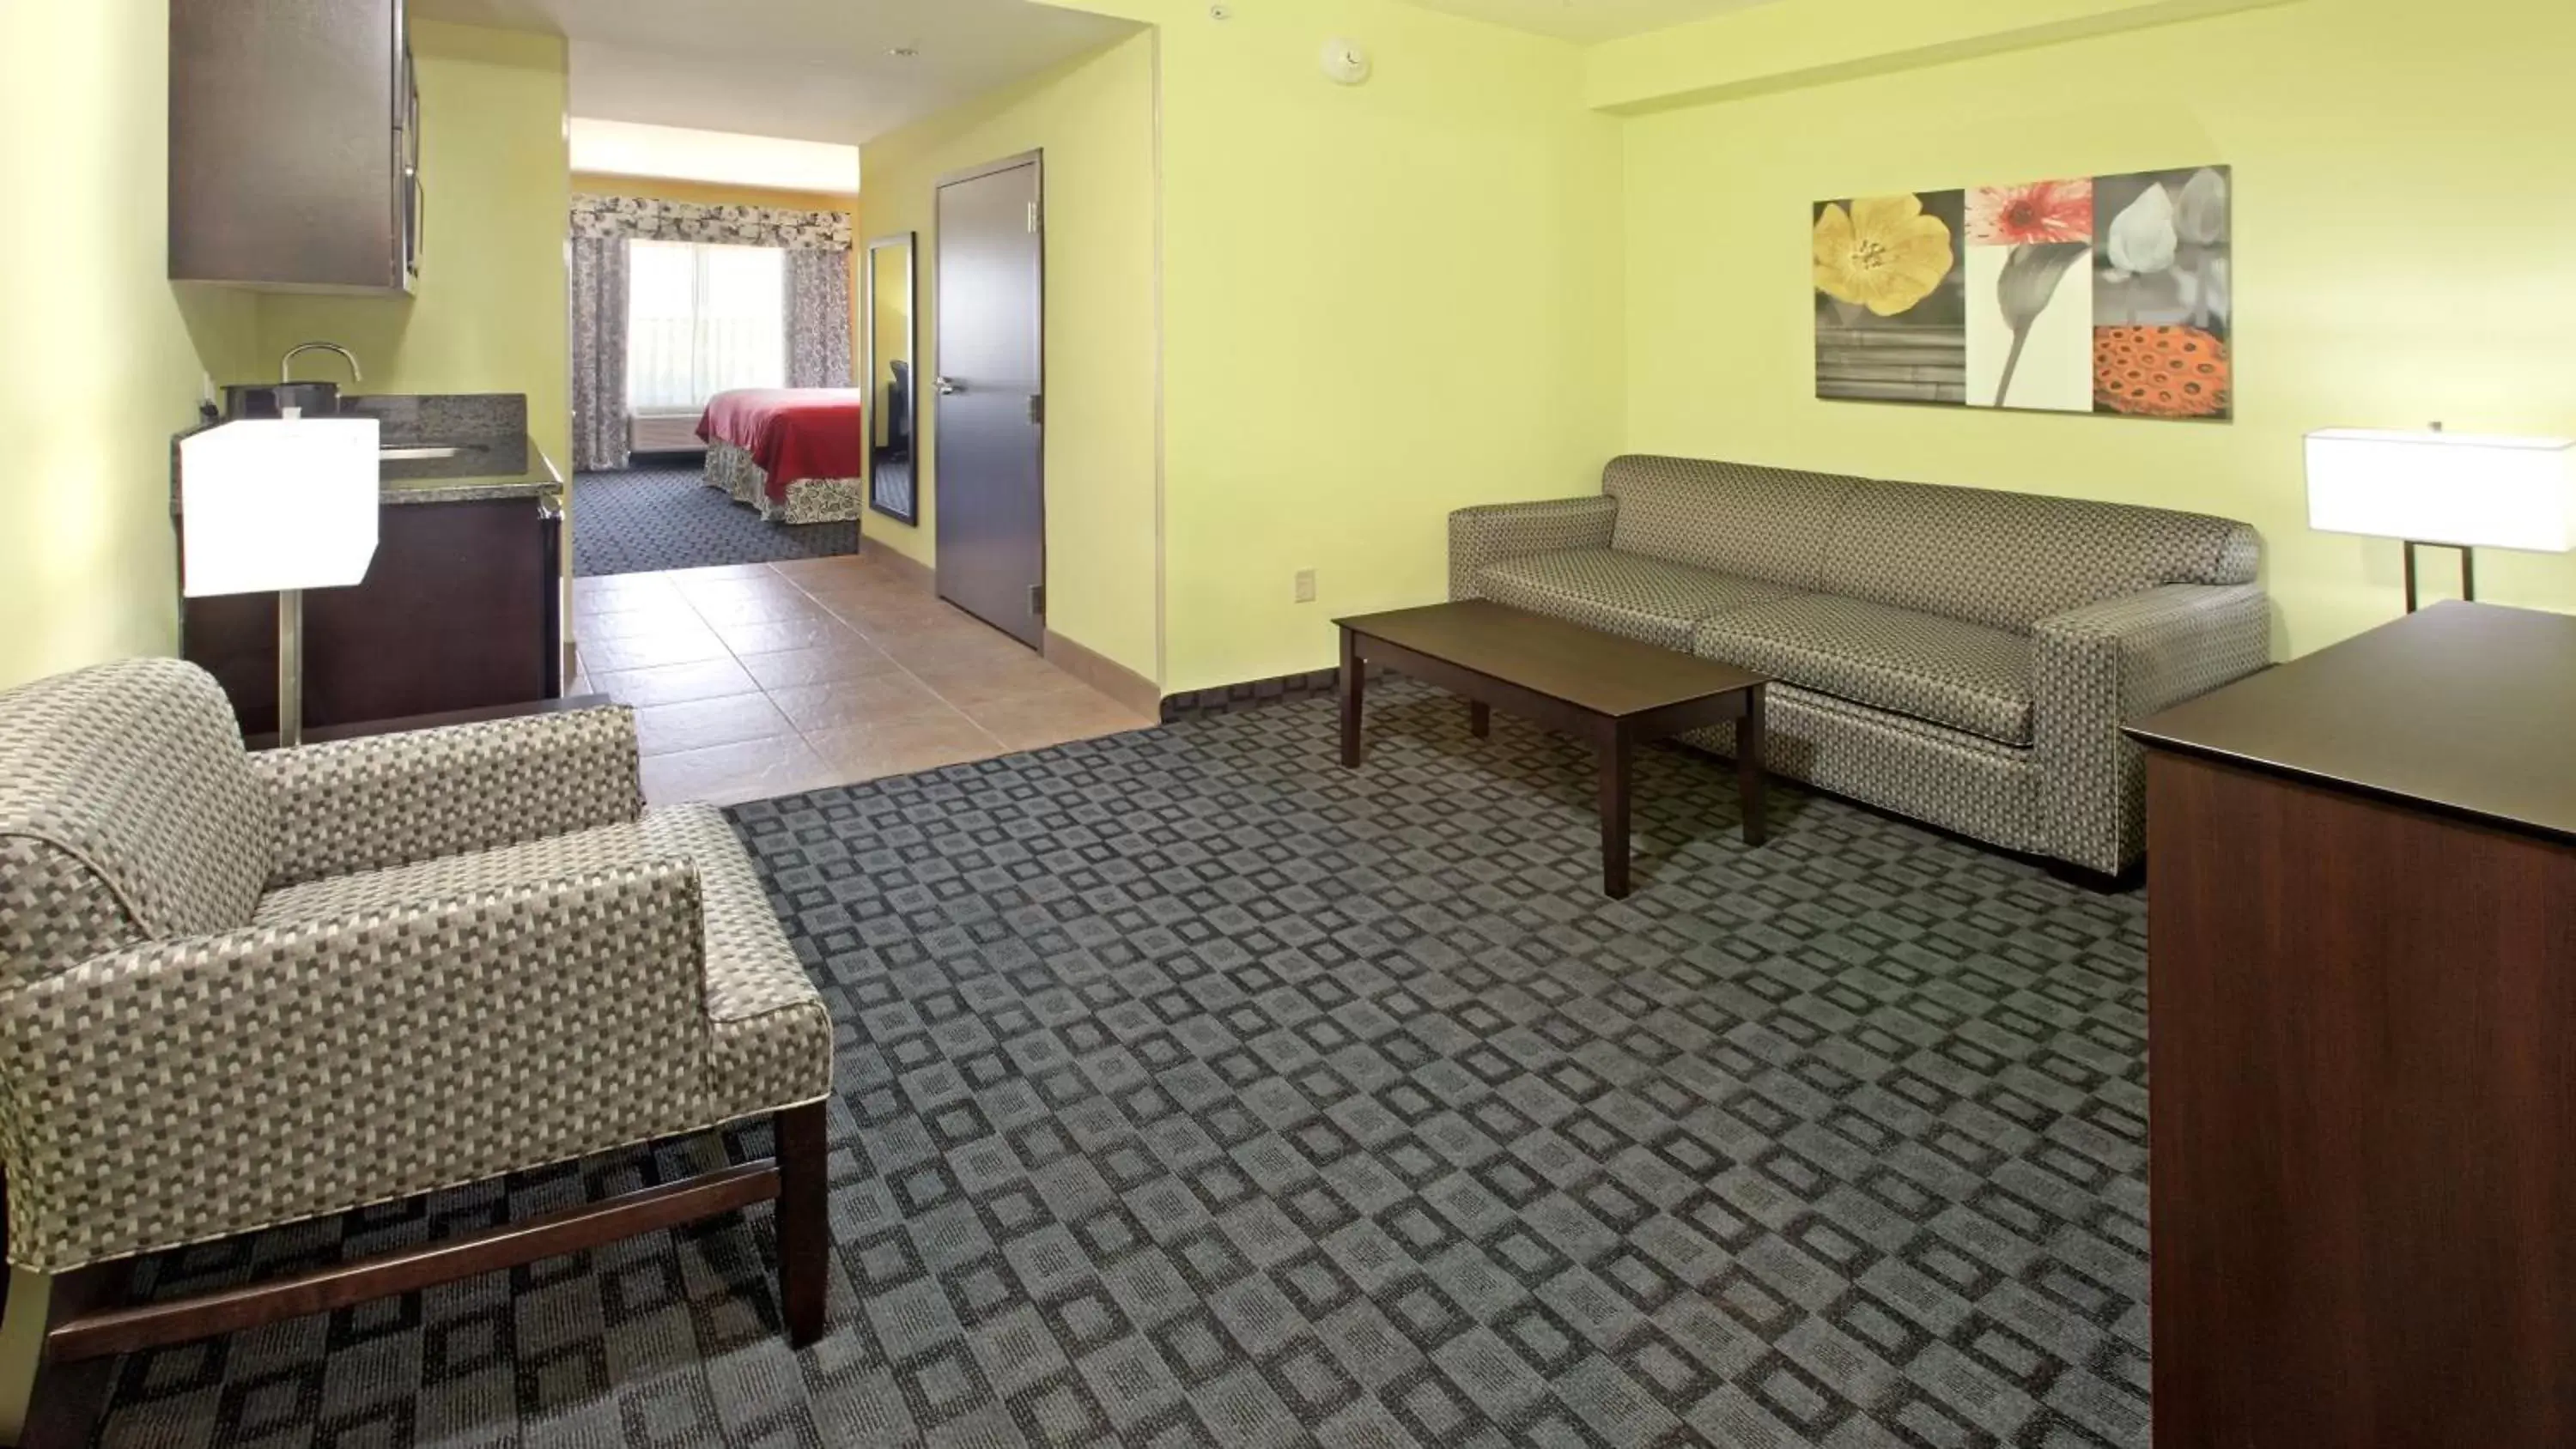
(464, 448)
(473, 470)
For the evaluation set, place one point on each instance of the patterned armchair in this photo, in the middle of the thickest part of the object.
(241, 991)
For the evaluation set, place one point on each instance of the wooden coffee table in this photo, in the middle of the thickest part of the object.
(1615, 692)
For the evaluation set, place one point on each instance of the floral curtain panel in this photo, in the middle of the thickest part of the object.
(599, 323)
(818, 318)
(631, 218)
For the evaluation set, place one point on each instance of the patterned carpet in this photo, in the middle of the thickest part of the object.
(891, 488)
(648, 519)
(1196, 1091)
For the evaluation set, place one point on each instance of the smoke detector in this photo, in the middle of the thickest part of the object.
(1345, 62)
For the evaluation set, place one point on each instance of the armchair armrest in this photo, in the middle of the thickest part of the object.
(1493, 532)
(185, 1090)
(397, 799)
(2096, 668)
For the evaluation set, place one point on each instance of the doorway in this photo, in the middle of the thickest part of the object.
(992, 395)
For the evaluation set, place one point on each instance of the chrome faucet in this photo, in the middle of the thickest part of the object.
(286, 368)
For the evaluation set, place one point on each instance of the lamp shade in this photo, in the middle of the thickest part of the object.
(278, 503)
(2454, 489)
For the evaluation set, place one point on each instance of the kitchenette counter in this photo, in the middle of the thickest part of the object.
(472, 472)
(469, 448)
(462, 606)
(469, 471)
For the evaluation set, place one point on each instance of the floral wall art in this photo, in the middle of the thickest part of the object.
(2105, 294)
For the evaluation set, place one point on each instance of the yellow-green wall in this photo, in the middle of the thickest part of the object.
(1379, 303)
(101, 358)
(1292, 324)
(1384, 302)
(1770, 47)
(1094, 119)
(2402, 227)
(489, 312)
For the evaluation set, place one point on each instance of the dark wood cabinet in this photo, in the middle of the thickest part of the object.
(294, 145)
(461, 610)
(2361, 994)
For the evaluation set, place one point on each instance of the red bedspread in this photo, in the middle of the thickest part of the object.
(793, 433)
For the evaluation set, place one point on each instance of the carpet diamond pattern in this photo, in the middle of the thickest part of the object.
(645, 520)
(1195, 1091)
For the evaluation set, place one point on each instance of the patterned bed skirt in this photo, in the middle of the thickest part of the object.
(731, 471)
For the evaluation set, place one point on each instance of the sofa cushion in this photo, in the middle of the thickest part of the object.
(771, 1036)
(127, 813)
(2013, 559)
(1620, 593)
(1944, 671)
(1771, 524)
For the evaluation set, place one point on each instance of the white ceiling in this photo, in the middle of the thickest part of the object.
(813, 70)
(1590, 20)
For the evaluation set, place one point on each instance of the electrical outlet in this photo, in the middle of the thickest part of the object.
(1305, 586)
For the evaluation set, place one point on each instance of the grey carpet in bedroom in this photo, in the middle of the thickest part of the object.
(1193, 1090)
(644, 520)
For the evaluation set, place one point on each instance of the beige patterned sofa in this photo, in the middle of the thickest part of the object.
(239, 991)
(1961, 656)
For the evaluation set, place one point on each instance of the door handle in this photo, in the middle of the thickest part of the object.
(949, 387)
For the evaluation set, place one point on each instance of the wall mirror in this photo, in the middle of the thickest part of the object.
(893, 380)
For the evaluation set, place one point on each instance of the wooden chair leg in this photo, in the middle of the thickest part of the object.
(60, 1335)
(804, 1224)
(45, 1403)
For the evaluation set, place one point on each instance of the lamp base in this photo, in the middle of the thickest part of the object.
(2468, 573)
(290, 667)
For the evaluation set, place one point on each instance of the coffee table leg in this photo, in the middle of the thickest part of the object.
(1480, 718)
(1354, 686)
(1749, 774)
(1613, 748)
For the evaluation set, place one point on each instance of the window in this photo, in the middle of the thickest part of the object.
(702, 319)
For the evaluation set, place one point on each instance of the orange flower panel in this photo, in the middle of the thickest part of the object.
(2160, 372)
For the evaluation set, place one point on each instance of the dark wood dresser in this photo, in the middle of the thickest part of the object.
(2362, 1036)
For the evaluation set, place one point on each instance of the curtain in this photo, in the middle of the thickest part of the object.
(599, 322)
(704, 319)
(760, 226)
(818, 319)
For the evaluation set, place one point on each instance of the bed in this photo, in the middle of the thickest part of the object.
(795, 454)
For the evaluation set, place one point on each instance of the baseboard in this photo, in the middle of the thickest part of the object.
(1105, 674)
(904, 566)
(1255, 694)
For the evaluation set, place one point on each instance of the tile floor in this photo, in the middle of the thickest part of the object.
(756, 680)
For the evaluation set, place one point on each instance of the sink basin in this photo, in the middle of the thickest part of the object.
(416, 455)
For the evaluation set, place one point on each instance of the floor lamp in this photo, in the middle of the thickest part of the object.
(2448, 490)
(279, 505)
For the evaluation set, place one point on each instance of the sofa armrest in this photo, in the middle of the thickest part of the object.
(366, 804)
(2097, 668)
(1493, 532)
(192, 1089)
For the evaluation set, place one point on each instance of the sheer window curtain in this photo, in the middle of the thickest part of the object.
(703, 319)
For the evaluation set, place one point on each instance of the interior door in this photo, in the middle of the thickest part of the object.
(991, 500)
